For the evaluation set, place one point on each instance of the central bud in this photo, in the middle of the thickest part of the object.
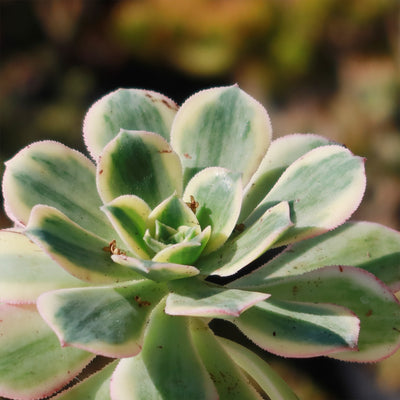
(174, 234)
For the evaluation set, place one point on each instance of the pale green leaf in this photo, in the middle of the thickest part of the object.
(26, 271)
(168, 367)
(293, 329)
(221, 127)
(52, 174)
(33, 365)
(248, 245)
(139, 163)
(193, 297)
(131, 109)
(107, 320)
(217, 193)
(128, 214)
(81, 253)
(282, 152)
(323, 187)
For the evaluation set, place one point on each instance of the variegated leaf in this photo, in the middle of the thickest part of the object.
(221, 127)
(293, 329)
(81, 253)
(33, 365)
(139, 163)
(229, 380)
(248, 245)
(353, 288)
(323, 187)
(193, 297)
(128, 214)
(156, 271)
(272, 384)
(107, 320)
(96, 387)
(168, 367)
(366, 245)
(282, 152)
(131, 109)
(52, 174)
(217, 196)
(26, 271)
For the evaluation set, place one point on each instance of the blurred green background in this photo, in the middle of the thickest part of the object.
(329, 67)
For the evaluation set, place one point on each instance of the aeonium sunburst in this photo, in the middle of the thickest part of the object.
(116, 257)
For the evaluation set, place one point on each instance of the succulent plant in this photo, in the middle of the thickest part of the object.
(130, 257)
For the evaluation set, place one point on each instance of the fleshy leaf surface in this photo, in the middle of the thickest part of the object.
(366, 245)
(248, 245)
(353, 288)
(281, 153)
(128, 214)
(323, 187)
(168, 367)
(26, 271)
(184, 252)
(293, 329)
(130, 109)
(81, 253)
(33, 365)
(217, 193)
(157, 271)
(193, 297)
(139, 163)
(272, 384)
(221, 127)
(172, 212)
(52, 174)
(108, 321)
(229, 380)
(96, 387)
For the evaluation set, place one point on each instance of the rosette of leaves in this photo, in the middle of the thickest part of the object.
(118, 257)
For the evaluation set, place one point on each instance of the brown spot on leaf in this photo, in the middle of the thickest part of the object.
(165, 151)
(186, 155)
(340, 268)
(369, 313)
(239, 227)
(141, 303)
(100, 172)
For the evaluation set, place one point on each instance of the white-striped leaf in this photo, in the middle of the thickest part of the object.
(272, 384)
(107, 320)
(26, 271)
(131, 109)
(323, 187)
(221, 127)
(33, 365)
(293, 329)
(81, 253)
(52, 174)
(282, 152)
(139, 163)
(128, 214)
(168, 367)
(193, 297)
(229, 380)
(217, 194)
(156, 271)
(353, 288)
(248, 245)
(366, 245)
